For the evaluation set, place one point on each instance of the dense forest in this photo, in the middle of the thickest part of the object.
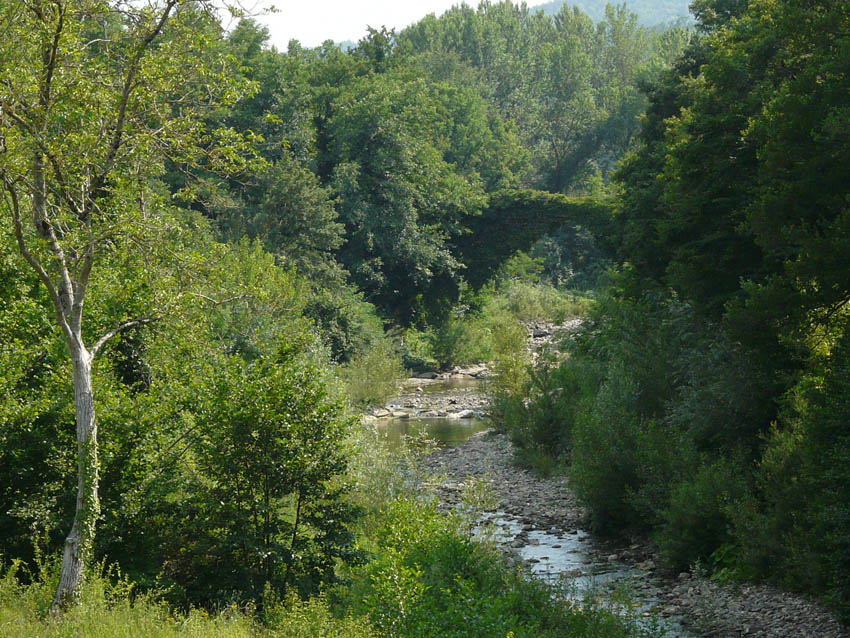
(264, 242)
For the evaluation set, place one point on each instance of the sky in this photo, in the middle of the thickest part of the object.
(311, 22)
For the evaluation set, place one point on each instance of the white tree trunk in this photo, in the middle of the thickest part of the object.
(79, 541)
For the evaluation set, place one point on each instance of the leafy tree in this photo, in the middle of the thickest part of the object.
(96, 95)
(569, 85)
(399, 198)
(290, 212)
(264, 507)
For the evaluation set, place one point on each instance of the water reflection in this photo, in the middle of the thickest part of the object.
(447, 432)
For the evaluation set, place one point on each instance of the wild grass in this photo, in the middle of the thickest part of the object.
(108, 608)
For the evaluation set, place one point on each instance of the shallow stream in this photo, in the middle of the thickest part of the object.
(447, 394)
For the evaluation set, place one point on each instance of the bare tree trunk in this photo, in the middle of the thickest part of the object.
(78, 544)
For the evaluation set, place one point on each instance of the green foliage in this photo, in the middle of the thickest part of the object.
(650, 12)
(698, 521)
(347, 323)
(265, 508)
(290, 212)
(741, 210)
(374, 374)
(527, 302)
(519, 218)
(401, 139)
(637, 407)
(430, 579)
(110, 608)
(400, 199)
(560, 393)
(461, 340)
(604, 466)
(799, 522)
(449, 342)
(381, 471)
(510, 349)
(569, 85)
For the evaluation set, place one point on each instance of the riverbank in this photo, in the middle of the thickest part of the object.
(698, 606)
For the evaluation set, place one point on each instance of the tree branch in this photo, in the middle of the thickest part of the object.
(129, 84)
(54, 162)
(124, 326)
(31, 259)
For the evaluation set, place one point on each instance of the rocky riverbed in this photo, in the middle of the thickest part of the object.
(688, 605)
(539, 522)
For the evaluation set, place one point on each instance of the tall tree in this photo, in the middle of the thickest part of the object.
(95, 94)
(399, 198)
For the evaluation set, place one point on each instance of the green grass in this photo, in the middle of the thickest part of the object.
(107, 610)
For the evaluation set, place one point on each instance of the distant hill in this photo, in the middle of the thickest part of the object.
(650, 12)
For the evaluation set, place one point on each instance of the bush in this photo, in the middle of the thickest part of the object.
(264, 507)
(346, 322)
(511, 370)
(561, 393)
(373, 376)
(460, 340)
(605, 461)
(699, 517)
(429, 579)
(802, 521)
(528, 302)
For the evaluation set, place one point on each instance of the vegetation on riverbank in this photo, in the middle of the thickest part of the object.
(705, 401)
(424, 576)
(213, 252)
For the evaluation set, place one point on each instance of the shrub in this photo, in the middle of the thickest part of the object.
(604, 466)
(461, 340)
(529, 302)
(698, 519)
(264, 507)
(803, 521)
(346, 322)
(429, 579)
(562, 393)
(374, 375)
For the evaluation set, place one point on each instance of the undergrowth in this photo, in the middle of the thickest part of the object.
(425, 577)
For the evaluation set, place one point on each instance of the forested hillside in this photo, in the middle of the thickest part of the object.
(215, 255)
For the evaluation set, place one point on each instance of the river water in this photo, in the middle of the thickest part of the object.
(446, 431)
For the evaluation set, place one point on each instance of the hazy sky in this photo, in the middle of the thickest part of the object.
(314, 21)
